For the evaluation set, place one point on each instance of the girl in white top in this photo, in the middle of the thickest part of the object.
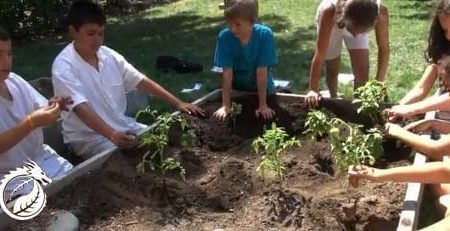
(23, 113)
(348, 21)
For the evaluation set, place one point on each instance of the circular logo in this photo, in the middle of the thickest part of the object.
(22, 196)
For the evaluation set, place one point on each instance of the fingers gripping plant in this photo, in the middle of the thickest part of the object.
(371, 96)
(272, 144)
(158, 140)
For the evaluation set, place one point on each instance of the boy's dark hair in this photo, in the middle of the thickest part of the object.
(438, 44)
(4, 35)
(242, 9)
(357, 14)
(84, 11)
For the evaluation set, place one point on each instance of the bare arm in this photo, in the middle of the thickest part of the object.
(434, 103)
(429, 173)
(226, 87)
(93, 121)
(326, 25)
(432, 148)
(423, 87)
(151, 87)
(13, 136)
(382, 35)
(261, 76)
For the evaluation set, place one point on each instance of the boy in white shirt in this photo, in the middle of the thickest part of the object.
(98, 78)
(23, 113)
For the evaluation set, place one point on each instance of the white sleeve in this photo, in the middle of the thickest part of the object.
(38, 100)
(131, 76)
(65, 83)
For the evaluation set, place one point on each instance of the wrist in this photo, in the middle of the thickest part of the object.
(30, 123)
(112, 135)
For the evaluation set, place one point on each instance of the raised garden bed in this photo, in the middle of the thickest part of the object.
(222, 189)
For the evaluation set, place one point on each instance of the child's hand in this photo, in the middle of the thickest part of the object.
(397, 112)
(44, 116)
(190, 109)
(359, 172)
(222, 113)
(123, 140)
(266, 112)
(61, 101)
(312, 98)
(393, 129)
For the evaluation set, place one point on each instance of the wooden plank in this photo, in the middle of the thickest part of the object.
(409, 217)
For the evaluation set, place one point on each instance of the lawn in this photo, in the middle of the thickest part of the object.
(188, 28)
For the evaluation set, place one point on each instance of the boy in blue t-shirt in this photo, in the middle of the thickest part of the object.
(246, 52)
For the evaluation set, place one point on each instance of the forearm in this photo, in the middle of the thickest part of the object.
(430, 173)
(151, 87)
(314, 75)
(441, 102)
(93, 121)
(261, 78)
(432, 148)
(383, 63)
(413, 96)
(13, 136)
(226, 88)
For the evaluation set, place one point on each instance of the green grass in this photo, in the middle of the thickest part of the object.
(188, 29)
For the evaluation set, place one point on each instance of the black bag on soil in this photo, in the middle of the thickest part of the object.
(167, 62)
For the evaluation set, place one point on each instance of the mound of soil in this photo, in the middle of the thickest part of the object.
(223, 191)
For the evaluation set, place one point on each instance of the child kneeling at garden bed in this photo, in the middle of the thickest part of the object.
(246, 52)
(98, 79)
(23, 113)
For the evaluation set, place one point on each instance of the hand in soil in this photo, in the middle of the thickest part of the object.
(359, 172)
(191, 109)
(312, 99)
(266, 112)
(124, 140)
(61, 101)
(222, 113)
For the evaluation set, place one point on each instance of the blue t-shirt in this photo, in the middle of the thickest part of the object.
(260, 51)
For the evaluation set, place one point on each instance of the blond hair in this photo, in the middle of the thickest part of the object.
(241, 9)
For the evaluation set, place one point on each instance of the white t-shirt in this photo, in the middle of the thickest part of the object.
(103, 90)
(26, 100)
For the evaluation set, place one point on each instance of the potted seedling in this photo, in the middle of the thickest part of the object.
(272, 144)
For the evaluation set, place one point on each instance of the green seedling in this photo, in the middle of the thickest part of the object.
(235, 111)
(317, 124)
(271, 145)
(171, 164)
(372, 97)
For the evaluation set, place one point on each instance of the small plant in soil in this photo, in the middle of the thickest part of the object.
(157, 140)
(235, 111)
(170, 164)
(317, 124)
(355, 147)
(271, 145)
(372, 96)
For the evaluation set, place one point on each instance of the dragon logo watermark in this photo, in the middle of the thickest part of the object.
(21, 192)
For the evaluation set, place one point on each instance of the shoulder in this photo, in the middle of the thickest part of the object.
(225, 34)
(66, 56)
(383, 12)
(13, 77)
(263, 29)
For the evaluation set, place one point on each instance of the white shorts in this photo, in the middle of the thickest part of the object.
(338, 35)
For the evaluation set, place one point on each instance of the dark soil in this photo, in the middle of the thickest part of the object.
(223, 191)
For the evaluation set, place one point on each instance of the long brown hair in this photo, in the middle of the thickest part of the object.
(437, 42)
(357, 14)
